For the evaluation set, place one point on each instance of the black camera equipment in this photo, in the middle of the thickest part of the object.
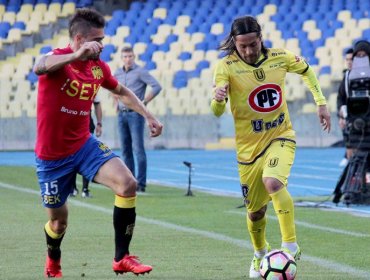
(357, 84)
(352, 183)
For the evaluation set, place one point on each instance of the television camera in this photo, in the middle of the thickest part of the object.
(354, 183)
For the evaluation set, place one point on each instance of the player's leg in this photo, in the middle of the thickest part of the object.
(118, 177)
(137, 125)
(256, 199)
(97, 162)
(55, 229)
(126, 141)
(56, 180)
(278, 161)
(85, 187)
(74, 189)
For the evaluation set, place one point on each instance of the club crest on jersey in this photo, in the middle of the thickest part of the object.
(265, 98)
(97, 72)
(259, 74)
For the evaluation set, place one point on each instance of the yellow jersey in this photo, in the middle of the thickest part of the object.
(257, 98)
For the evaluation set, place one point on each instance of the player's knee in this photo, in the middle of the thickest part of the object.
(58, 226)
(258, 215)
(272, 185)
(127, 187)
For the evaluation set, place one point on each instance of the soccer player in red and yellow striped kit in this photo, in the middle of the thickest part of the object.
(69, 80)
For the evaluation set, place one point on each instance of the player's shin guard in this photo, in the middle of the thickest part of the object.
(284, 209)
(53, 241)
(257, 232)
(124, 217)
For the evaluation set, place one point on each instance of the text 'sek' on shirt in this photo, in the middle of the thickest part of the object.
(64, 102)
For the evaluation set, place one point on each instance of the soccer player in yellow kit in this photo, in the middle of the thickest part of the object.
(252, 78)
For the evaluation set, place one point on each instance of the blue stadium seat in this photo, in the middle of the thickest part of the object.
(4, 29)
(180, 79)
(13, 7)
(203, 64)
(32, 77)
(165, 47)
(150, 65)
(147, 57)
(105, 55)
(46, 49)
(184, 56)
(20, 25)
(325, 70)
(84, 3)
(366, 34)
(201, 46)
(171, 38)
(267, 43)
(213, 45)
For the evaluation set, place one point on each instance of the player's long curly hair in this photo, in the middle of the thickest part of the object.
(240, 26)
(85, 19)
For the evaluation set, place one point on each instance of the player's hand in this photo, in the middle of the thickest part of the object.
(221, 93)
(89, 50)
(155, 127)
(98, 130)
(324, 117)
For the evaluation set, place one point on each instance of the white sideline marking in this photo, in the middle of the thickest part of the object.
(313, 226)
(326, 264)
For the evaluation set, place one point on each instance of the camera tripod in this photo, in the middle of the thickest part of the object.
(352, 183)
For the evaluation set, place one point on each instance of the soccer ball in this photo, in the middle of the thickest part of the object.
(278, 265)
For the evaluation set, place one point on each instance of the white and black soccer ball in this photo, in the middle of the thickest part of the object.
(278, 265)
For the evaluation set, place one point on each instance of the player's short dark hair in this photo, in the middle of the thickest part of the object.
(240, 26)
(83, 20)
(127, 49)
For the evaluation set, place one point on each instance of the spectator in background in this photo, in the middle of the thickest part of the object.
(342, 122)
(98, 131)
(130, 123)
(252, 77)
(360, 49)
(69, 79)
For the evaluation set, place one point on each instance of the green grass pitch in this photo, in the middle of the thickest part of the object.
(184, 238)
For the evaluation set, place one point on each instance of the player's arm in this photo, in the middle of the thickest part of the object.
(220, 89)
(52, 62)
(218, 103)
(127, 97)
(99, 117)
(310, 79)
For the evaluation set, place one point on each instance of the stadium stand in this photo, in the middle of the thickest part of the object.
(177, 41)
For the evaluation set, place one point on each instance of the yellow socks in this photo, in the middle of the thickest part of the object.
(257, 232)
(125, 202)
(284, 209)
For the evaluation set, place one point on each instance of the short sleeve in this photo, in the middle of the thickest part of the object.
(110, 82)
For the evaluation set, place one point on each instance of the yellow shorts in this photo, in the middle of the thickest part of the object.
(275, 162)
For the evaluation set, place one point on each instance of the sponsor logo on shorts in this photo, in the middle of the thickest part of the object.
(105, 149)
